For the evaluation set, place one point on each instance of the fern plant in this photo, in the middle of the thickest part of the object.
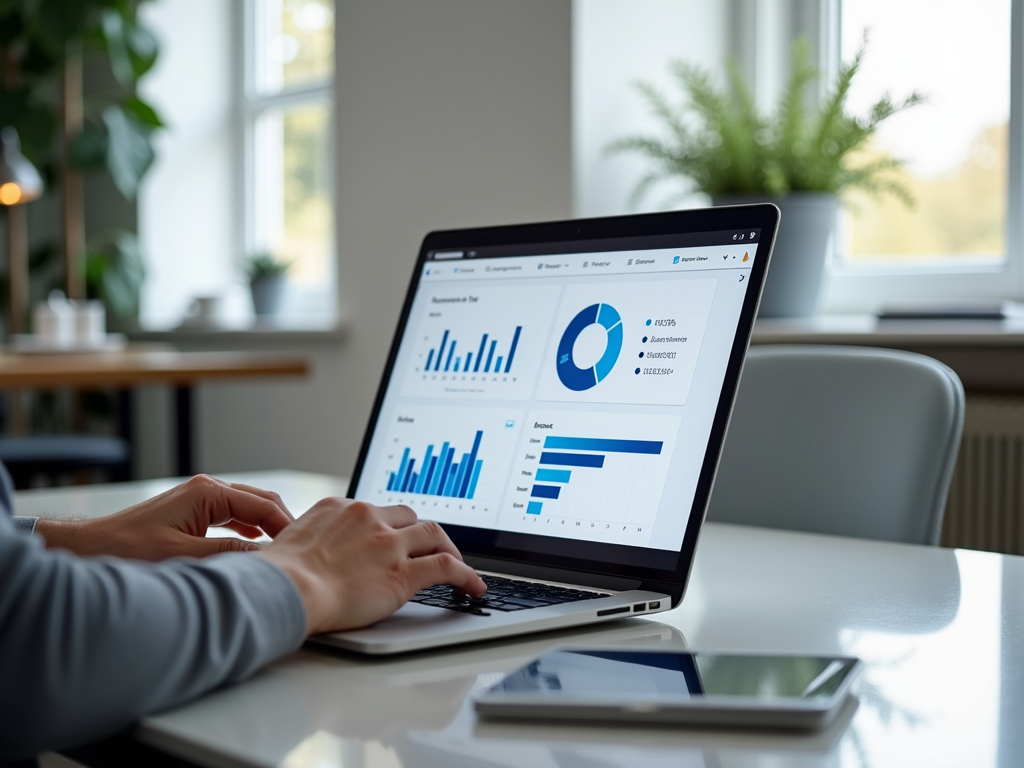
(263, 264)
(721, 144)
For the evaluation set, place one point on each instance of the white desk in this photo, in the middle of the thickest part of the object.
(941, 632)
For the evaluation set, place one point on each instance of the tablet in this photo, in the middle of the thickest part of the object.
(652, 686)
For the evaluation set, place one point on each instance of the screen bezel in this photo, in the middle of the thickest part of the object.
(586, 557)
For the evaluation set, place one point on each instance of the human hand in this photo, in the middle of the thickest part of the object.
(355, 564)
(174, 524)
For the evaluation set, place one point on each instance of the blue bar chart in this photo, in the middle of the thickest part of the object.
(438, 474)
(473, 357)
(484, 343)
(594, 476)
(448, 464)
(597, 447)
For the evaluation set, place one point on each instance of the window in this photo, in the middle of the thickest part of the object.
(288, 113)
(955, 144)
(962, 239)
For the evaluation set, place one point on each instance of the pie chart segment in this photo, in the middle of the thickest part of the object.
(571, 375)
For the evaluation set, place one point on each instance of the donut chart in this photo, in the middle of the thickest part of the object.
(579, 379)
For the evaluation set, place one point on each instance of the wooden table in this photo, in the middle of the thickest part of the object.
(137, 366)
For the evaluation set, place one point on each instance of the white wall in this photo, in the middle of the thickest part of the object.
(449, 113)
(614, 45)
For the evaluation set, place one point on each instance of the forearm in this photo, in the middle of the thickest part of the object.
(86, 647)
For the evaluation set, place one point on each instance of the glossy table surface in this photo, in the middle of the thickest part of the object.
(941, 633)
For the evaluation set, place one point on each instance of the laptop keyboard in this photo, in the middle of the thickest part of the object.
(505, 595)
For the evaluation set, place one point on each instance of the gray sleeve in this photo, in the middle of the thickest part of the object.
(87, 646)
(26, 524)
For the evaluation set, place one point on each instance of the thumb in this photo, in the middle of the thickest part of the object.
(202, 547)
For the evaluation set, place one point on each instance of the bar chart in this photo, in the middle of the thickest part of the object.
(604, 487)
(480, 342)
(482, 360)
(448, 464)
(439, 474)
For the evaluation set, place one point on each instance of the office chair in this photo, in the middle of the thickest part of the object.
(841, 440)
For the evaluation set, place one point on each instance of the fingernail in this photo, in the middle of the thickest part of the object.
(252, 547)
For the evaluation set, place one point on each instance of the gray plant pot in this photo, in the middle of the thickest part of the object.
(267, 293)
(793, 285)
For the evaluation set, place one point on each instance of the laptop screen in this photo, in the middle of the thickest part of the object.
(562, 393)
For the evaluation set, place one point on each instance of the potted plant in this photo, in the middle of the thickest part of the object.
(267, 278)
(802, 159)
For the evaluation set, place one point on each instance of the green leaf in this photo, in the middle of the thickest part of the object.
(89, 148)
(143, 48)
(143, 112)
(36, 123)
(114, 271)
(129, 150)
(113, 26)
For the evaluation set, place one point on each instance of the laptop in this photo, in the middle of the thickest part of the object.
(556, 397)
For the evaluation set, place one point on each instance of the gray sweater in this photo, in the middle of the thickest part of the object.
(87, 646)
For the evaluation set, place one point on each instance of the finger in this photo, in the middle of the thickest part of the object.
(197, 547)
(249, 509)
(398, 516)
(248, 531)
(427, 538)
(443, 568)
(268, 495)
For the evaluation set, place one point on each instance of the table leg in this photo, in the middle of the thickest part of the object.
(183, 426)
(126, 429)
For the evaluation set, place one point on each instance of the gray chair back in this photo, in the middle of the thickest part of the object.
(841, 440)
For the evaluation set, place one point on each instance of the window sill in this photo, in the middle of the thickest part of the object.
(986, 354)
(254, 333)
(869, 330)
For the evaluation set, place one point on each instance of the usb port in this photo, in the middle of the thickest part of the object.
(655, 605)
(639, 607)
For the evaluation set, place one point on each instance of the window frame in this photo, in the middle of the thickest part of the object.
(862, 288)
(322, 300)
(764, 34)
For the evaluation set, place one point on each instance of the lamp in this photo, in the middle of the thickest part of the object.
(20, 183)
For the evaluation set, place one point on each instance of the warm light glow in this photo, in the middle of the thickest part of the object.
(10, 193)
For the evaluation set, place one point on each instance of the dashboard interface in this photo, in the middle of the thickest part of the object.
(567, 395)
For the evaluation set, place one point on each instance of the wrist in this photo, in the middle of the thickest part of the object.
(62, 534)
(305, 583)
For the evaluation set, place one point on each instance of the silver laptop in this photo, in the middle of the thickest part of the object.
(557, 396)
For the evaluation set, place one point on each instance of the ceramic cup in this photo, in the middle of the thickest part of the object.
(53, 321)
(90, 323)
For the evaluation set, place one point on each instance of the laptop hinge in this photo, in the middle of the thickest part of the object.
(547, 573)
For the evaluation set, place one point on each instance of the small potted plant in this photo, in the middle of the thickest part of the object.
(802, 159)
(267, 278)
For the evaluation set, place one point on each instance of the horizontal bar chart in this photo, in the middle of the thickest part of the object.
(565, 451)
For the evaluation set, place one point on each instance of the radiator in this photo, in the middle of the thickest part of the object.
(986, 499)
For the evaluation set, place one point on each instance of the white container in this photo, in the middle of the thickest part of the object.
(90, 320)
(53, 321)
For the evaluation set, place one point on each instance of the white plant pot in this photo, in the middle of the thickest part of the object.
(267, 293)
(793, 285)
